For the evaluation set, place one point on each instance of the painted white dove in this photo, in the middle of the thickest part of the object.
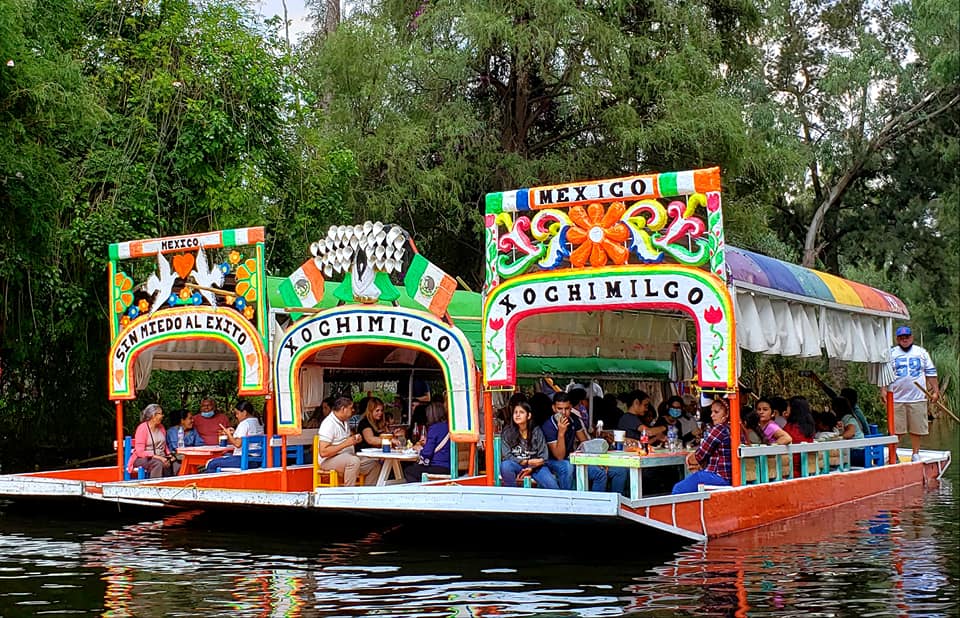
(163, 285)
(207, 277)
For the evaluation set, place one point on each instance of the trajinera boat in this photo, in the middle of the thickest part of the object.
(599, 278)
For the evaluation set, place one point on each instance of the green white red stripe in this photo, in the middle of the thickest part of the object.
(428, 285)
(188, 242)
(304, 288)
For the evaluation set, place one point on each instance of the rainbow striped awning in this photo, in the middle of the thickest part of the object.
(753, 271)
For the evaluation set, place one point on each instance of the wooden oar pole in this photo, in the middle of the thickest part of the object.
(216, 291)
(937, 402)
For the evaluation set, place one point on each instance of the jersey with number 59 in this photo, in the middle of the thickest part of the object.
(909, 366)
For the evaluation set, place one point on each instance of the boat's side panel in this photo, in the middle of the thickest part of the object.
(298, 478)
(734, 510)
(13, 486)
(96, 475)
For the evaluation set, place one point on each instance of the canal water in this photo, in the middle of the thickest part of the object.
(895, 555)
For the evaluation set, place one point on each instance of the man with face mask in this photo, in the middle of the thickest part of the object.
(208, 421)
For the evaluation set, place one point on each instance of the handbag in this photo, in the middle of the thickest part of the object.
(425, 461)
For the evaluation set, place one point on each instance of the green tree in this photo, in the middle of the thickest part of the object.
(455, 99)
(854, 79)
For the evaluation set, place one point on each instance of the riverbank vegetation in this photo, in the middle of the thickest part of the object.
(835, 124)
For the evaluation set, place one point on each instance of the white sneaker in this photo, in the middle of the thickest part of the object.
(915, 457)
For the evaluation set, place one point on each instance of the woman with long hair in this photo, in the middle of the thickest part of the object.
(523, 450)
(372, 424)
(770, 431)
(435, 454)
(247, 425)
(800, 423)
(712, 459)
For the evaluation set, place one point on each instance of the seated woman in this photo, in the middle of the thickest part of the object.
(750, 431)
(184, 420)
(435, 454)
(417, 431)
(712, 457)
(150, 445)
(770, 431)
(800, 424)
(852, 427)
(372, 424)
(247, 425)
(523, 450)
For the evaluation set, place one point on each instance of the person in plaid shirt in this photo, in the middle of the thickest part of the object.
(713, 454)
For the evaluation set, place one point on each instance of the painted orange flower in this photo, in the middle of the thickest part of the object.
(599, 235)
(122, 293)
(247, 280)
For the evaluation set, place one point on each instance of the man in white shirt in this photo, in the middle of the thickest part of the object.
(911, 364)
(336, 443)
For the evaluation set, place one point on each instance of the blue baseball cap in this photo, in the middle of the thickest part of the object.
(903, 331)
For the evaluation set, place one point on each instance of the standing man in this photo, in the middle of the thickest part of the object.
(208, 422)
(337, 443)
(911, 364)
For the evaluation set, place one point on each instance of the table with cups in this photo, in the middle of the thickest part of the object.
(631, 459)
(390, 459)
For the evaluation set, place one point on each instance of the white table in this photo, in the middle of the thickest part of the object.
(389, 462)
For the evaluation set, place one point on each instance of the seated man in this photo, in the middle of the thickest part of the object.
(337, 443)
(562, 430)
(209, 421)
(639, 419)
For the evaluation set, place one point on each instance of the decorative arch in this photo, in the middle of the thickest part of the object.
(379, 325)
(699, 294)
(222, 324)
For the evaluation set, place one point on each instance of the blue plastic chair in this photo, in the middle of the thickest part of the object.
(127, 451)
(874, 456)
(251, 457)
(295, 453)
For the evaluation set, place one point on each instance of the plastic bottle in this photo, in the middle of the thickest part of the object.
(672, 437)
(180, 438)
(645, 442)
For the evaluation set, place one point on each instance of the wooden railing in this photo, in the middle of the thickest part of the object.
(758, 462)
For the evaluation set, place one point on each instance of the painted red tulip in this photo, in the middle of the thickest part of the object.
(713, 315)
(496, 323)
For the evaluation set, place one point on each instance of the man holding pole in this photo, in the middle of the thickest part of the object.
(910, 363)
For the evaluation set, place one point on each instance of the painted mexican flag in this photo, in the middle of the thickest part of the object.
(428, 285)
(304, 288)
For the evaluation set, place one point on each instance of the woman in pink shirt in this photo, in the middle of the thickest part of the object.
(150, 445)
(770, 432)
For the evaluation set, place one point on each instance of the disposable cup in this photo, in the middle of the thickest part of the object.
(618, 437)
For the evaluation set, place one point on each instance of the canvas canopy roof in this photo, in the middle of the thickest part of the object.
(790, 310)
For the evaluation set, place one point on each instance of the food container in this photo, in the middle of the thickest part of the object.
(386, 441)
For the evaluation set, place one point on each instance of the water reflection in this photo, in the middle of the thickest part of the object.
(892, 555)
